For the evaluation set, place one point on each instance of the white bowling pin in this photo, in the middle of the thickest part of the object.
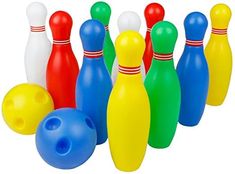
(38, 48)
(128, 20)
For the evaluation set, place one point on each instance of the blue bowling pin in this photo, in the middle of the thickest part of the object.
(192, 70)
(94, 83)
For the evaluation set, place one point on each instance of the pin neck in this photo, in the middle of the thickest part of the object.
(129, 70)
(194, 43)
(93, 54)
(106, 27)
(61, 42)
(149, 30)
(163, 57)
(219, 31)
(37, 28)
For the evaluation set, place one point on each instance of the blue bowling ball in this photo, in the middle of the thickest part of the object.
(66, 138)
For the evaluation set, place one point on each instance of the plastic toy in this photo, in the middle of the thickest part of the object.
(94, 83)
(192, 71)
(102, 11)
(25, 106)
(163, 86)
(66, 138)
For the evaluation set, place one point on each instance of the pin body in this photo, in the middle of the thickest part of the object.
(38, 47)
(101, 11)
(192, 71)
(62, 68)
(219, 55)
(128, 107)
(163, 86)
(128, 20)
(94, 83)
(153, 13)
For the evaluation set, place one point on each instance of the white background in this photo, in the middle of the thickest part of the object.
(206, 148)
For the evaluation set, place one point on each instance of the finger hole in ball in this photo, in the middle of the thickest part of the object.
(40, 97)
(19, 123)
(9, 104)
(53, 124)
(63, 146)
(89, 123)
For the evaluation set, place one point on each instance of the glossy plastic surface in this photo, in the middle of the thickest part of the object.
(94, 83)
(62, 68)
(66, 138)
(153, 13)
(25, 106)
(38, 48)
(163, 87)
(102, 11)
(193, 72)
(219, 56)
(128, 107)
(128, 20)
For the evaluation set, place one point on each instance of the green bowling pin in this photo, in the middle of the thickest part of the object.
(101, 11)
(163, 86)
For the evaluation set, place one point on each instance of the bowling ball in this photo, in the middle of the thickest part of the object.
(25, 106)
(66, 138)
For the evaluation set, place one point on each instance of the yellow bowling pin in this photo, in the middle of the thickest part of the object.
(219, 55)
(128, 107)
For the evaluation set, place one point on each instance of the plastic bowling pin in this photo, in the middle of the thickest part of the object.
(101, 11)
(38, 48)
(153, 13)
(163, 86)
(62, 68)
(128, 20)
(192, 71)
(94, 83)
(128, 107)
(219, 55)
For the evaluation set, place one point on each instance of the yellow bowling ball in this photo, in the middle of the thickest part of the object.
(25, 106)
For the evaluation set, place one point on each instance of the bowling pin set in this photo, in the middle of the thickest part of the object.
(130, 93)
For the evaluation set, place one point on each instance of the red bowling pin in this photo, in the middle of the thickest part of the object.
(62, 68)
(153, 13)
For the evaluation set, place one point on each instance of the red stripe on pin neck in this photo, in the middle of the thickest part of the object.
(61, 42)
(37, 28)
(219, 31)
(149, 30)
(106, 28)
(93, 54)
(194, 43)
(163, 57)
(129, 70)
